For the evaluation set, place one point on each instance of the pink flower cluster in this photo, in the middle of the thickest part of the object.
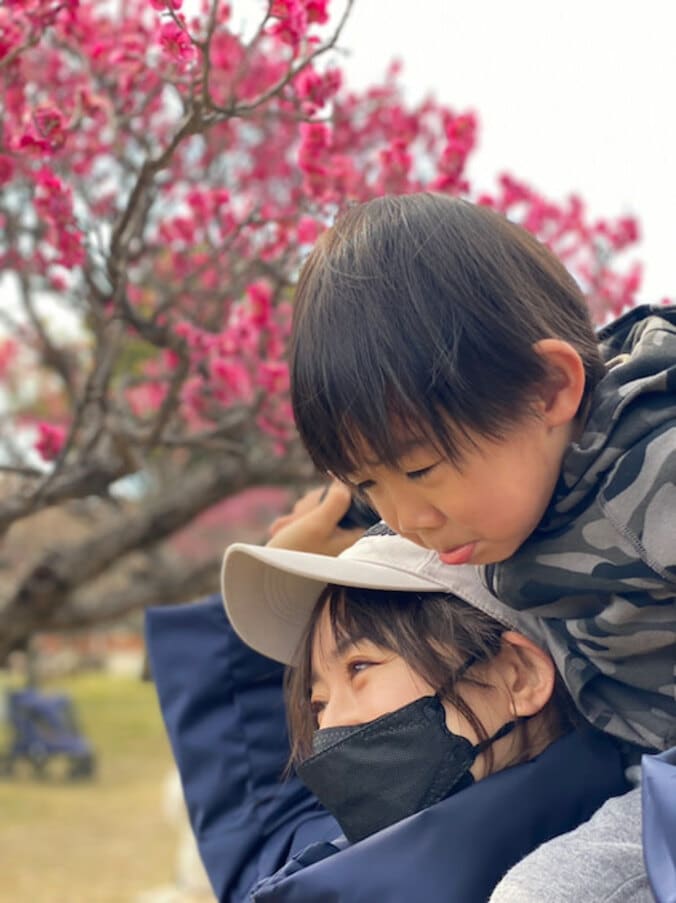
(274, 145)
(587, 247)
(54, 206)
(461, 135)
(50, 440)
(315, 89)
(9, 349)
(46, 133)
(240, 363)
(294, 18)
(177, 44)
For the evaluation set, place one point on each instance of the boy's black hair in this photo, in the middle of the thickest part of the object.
(415, 317)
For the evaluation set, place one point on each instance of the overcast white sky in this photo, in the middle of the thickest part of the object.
(573, 96)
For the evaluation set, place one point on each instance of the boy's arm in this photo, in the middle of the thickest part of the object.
(223, 709)
(639, 500)
(604, 584)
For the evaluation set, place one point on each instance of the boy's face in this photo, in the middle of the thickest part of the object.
(479, 512)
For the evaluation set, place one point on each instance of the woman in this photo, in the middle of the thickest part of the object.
(452, 702)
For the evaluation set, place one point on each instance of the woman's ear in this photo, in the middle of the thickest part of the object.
(529, 673)
(562, 393)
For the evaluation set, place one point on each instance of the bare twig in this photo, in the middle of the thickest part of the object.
(243, 109)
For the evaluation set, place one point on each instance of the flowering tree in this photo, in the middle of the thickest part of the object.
(163, 174)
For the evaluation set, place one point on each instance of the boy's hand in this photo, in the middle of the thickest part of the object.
(312, 525)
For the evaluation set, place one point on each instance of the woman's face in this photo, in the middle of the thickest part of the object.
(357, 682)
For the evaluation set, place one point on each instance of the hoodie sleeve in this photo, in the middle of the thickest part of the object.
(639, 499)
(600, 569)
(604, 586)
(223, 710)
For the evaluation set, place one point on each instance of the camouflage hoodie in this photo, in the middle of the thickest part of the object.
(601, 567)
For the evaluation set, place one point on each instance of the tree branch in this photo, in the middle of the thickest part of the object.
(48, 586)
(162, 582)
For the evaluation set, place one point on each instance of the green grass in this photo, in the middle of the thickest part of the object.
(100, 841)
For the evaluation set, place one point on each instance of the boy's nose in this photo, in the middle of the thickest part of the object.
(411, 515)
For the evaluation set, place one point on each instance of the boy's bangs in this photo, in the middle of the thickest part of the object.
(349, 423)
(383, 440)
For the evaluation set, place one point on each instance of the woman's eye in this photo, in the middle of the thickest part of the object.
(357, 667)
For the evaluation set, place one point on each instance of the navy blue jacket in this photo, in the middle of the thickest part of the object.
(266, 838)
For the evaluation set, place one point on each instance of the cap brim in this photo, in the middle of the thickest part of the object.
(269, 593)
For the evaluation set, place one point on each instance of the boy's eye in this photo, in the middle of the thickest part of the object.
(421, 472)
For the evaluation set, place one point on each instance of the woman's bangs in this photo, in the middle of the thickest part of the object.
(361, 614)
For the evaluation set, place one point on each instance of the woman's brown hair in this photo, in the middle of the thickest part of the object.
(436, 634)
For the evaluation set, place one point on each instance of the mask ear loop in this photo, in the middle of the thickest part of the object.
(466, 665)
(499, 734)
(459, 674)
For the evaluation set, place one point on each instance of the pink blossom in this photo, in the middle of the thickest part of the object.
(317, 11)
(308, 230)
(260, 298)
(146, 398)
(46, 133)
(171, 359)
(274, 376)
(313, 155)
(293, 21)
(176, 42)
(315, 88)
(50, 440)
(226, 51)
(6, 169)
(9, 350)
(70, 245)
(49, 123)
(52, 197)
(232, 374)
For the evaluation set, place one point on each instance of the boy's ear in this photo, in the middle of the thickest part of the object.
(529, 673)
(562, 393)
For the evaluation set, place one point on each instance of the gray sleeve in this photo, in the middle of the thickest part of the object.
(639, 499)
(599, 862)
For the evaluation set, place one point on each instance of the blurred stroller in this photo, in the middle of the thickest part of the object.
(45, 728)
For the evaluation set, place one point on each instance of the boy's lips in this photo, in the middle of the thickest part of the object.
(458, 555)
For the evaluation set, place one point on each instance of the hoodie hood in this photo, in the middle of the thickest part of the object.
(600, 569)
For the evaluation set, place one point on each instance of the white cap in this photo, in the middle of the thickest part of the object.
(269, 593)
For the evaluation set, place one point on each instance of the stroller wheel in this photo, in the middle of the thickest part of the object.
(38, 759)
(82, 767)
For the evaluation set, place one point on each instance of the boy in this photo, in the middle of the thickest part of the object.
(444, 364)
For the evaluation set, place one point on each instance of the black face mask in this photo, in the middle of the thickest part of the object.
(372, 775)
